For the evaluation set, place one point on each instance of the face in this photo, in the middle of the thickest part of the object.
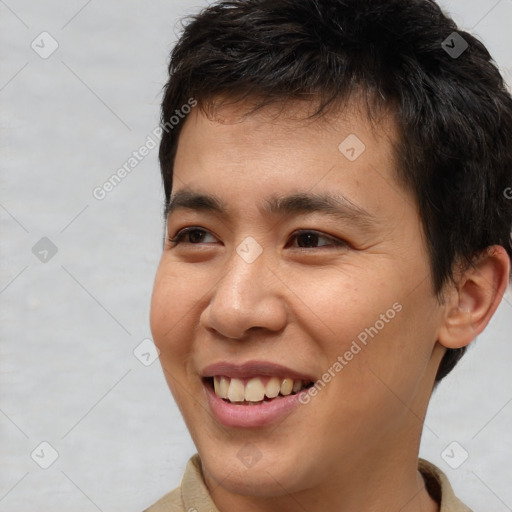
(305, 264)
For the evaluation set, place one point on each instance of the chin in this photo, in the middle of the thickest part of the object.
(238, 473)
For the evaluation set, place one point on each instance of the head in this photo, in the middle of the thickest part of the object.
(362, 101)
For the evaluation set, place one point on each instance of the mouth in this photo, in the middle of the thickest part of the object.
(253, 394)
(255, 390)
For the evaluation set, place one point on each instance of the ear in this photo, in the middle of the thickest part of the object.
(470, 305)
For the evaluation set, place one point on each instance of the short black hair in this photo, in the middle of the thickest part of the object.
(452, 107)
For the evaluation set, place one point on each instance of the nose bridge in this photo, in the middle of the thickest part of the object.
(246, 273)
(246, 296)
(242, 283)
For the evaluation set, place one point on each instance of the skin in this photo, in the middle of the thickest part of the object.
(301, 303)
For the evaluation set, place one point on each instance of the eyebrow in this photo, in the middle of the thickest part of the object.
(336, 206)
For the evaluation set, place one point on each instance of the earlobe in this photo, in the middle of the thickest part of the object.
(471, 305)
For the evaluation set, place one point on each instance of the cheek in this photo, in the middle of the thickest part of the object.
(172, 326)
(372, 320)
(342, 302)
(172, 302)
(394, 362)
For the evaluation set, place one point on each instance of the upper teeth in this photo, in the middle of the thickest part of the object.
(254, 390)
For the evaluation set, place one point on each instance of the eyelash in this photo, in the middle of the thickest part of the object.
(181, 234)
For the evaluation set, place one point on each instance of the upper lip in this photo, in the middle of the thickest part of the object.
(250, 369)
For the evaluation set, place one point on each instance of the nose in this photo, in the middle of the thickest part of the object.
(248, 296)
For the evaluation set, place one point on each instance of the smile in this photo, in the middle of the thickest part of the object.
(254, 394)
(256, 390)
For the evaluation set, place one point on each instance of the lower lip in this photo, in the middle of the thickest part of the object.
(251, 416)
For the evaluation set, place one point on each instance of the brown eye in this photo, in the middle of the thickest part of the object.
(191, 235)
(308, 239)
(313, 239)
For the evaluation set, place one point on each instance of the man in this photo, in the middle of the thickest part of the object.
(337, 233)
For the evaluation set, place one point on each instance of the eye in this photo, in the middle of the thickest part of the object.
(306, 239)
(313, 239)
(192, 235)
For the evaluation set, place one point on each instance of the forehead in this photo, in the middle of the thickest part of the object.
(281, 148)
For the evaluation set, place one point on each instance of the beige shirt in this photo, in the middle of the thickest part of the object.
(193, 496)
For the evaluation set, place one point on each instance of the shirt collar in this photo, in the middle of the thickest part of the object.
(195, 494)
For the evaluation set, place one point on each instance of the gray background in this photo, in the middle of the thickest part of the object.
(69, 326)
